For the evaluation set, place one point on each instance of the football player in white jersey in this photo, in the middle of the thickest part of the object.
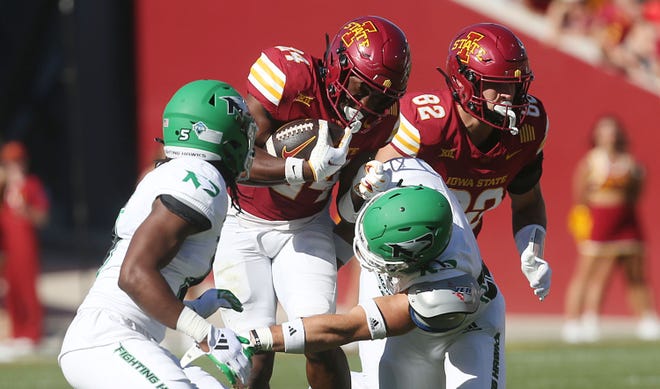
(164, 242)
(440, 315)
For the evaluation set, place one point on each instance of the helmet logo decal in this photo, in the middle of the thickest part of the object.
(358, 32)
(411, 248)
(206, 134)
(469, 47)
(234, 104)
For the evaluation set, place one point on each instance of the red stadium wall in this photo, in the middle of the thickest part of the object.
(181, 41)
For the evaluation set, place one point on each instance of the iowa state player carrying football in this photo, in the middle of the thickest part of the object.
(281, 247)
(484, 134)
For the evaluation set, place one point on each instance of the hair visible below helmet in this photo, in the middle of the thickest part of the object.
(376, 51)
(489, 53)
(208, 119)
(401, 230)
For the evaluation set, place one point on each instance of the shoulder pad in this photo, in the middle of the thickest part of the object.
(442, 305)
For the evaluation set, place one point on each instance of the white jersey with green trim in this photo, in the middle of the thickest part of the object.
(195, 183)
(462, 252)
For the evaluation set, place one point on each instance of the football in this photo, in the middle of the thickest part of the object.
(298, 138)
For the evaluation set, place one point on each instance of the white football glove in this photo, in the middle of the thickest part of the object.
(229, 352)
(530, 241)
(372, 181)
(212, 300)
(326, 160)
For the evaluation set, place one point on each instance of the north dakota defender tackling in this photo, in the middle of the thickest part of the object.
(164, 242)
(440, 309)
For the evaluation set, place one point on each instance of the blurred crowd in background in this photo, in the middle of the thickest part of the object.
(626, 32)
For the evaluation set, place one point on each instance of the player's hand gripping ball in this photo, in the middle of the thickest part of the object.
(298, 138)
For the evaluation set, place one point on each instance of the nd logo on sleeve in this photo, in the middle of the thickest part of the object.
(192, 177)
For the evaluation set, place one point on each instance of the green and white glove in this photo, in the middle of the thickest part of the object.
(230, 353)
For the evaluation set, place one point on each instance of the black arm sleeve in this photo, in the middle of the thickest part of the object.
(527, 177)
(185, 212)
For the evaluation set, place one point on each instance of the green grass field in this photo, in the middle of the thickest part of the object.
(611, 365)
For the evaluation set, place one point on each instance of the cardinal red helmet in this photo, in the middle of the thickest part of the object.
(374, 50)
(489, 53)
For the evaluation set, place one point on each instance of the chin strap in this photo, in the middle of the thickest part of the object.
(354, 117)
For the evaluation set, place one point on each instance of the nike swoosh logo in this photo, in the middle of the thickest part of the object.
(511, 155)
(286, 153)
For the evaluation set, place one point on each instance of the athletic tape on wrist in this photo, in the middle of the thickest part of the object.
(346, 208)
(294, 336)
(375, 320)
(262, 339)
(293, 170)
(193, 325)
(531, 233)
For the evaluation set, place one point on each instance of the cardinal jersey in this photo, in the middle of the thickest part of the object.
(432, 130)
(193, 182)
(286, 82)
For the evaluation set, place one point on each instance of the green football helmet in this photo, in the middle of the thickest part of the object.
(208, 119)
(401, 230)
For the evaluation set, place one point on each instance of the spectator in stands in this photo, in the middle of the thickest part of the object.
(638, 55)
(569, 17)
(626, 34)
(607, 183)
(24, 210)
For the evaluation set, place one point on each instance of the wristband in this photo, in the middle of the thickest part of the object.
(294, 336)
(262, 339)
(293, 170)
(375, 320)
(346, 209)
(193, 325)
(531, 233)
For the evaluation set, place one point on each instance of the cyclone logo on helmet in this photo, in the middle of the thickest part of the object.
(469, 47)
(358, 32)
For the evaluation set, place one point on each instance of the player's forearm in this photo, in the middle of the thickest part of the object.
(527, 209)
(266, 168)
(325, 332)
(312, 334)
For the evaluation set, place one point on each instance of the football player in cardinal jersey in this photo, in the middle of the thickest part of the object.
(281, 247)
(484, 134)
(164, 240)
